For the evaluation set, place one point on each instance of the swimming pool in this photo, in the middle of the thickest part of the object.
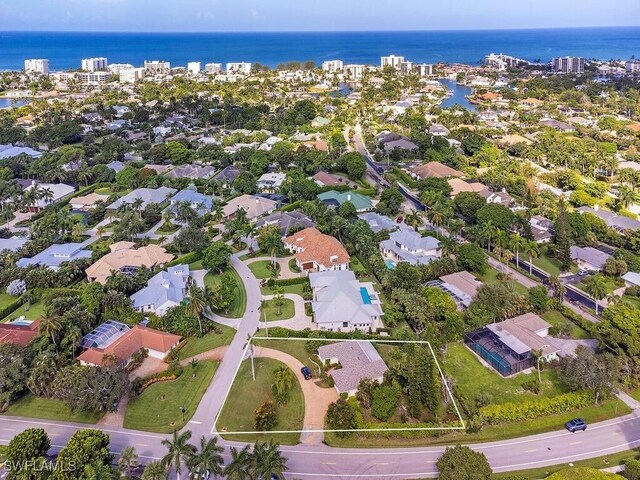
(366, 298)
(390, 264)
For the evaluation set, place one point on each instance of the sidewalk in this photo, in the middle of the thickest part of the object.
(631, 402)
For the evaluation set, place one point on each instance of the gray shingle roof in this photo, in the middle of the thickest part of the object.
(359, 360)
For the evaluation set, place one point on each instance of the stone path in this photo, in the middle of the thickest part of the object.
(316, 399)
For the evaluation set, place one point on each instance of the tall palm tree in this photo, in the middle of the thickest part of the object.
(487, 232)
(198, 303)
(240, 466)
(50, 326)
(268, 461)
(207, 459)
(533, 250)
(128, 460)
(179, 451)
(558, 287)
(517, 243)
(74, 337)
(596, 286)
(100, 230)
(436, 216)
(414, 219)
(155, 471)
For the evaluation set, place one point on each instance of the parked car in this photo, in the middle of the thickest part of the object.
(575, 425)
(306, 373)
(583, 271)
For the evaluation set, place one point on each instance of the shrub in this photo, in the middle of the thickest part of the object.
(540, 407)
(266, 417)
(385, 401)
(632, 469)
(532, 385)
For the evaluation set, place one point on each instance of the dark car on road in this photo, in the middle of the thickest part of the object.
(575, 425)
(306, 373)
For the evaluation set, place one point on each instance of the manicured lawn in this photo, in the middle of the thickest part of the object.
(6, 300)
(287, 310)
(239, 304)
(556, 319)
(471, 378)
(246, 395)
(546, 262)
(261, 269)
(30, 312)
(166, 231)
(491, 276)
(49, 409)
(611, 284)
(357, 266)
(297, 289)
(197, 265)
(157, 409)
(208, 342)
(295, 348)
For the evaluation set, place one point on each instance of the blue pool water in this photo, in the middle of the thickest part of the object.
(366, 298)
(389, 263)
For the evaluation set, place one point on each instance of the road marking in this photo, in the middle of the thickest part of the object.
(141, 444)
(328, 463)
(197, 423)
(82, 427)
(575, 443)
(530, 451)
(381, 463)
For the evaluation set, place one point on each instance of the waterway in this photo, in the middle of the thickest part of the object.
(459, 96)
(12, 102)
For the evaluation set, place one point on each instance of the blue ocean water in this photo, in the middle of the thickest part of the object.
(65, 49)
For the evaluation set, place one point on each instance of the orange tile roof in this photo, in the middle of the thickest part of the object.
(435, 170)
(634, 127)
(129, 343)
(122, 255)
(317, 247)
(18, 334)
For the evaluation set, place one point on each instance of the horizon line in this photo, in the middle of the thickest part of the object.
(479, 29)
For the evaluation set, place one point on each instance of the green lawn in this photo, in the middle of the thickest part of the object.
(30, 312)
(295, 348)
(297, 289)
(261, 269)
(611, 284)
(246, 395)
(287, 310)
(49, 409)
(471, 377)
(157, 409)
(163, 231)
(3, 452)
(197, 265)
(546, 262)
(208, 342)
(556, 319)
(239, 304)
(6, 300)
(491, 276)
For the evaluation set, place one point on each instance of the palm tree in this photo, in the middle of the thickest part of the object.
(531, 248)
(449, 246)
(414, 219)
(128, 460)
(218, 213)
(207, 459)
(179, 450)
(436, 216)
(283, 380)
(268, 461)
(98, 471)
(100, 230)
(517, 243)
(50, 326)
(455, 226)
(558, 287)
(74, 337)
(155, 471)
(626, 196)
(596, 286)
(487, 232)
(198, 303)
(240, 466)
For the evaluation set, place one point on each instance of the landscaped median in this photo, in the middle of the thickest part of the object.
(239, 304)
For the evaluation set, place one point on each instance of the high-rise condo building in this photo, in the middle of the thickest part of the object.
(37, 65)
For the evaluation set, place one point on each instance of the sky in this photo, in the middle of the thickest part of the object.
(310, 15)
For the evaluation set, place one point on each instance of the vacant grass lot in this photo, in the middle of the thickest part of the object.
(157, 409)
(208, 342)
(491, 276)
(471, 378)
(556, 319)
(49, 409)
(611, 284)
(270, 312)
(261, 269)
(246, 395)
(239, 304)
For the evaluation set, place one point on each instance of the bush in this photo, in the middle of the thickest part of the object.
(538, 298)
(12, 307)
(385, 401)
(266, 417)
(632, 469)
(185, 259)
(516, 412)
(532, 385)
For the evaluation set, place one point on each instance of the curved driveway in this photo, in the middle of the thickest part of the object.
(323, 462)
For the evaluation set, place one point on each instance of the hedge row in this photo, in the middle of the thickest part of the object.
(409, 430)
(315, 334)
(185, 259)
(579, 320)
(515, 412)
(292, 281)
(12, 307)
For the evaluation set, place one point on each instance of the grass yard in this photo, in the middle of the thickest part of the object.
(208, 342)
(239, 304)
(261, 269)
(297, 289)
(295, 348)
(287, 310)
(30, 312)
(556, 319)
(471, 377)
(166, 231)
(3, 452)
(491, 276)
(611, 284)
(157, 409)
(546, 262)
(49, 409)
(246, 395)
(6, 300)
(197, 265)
